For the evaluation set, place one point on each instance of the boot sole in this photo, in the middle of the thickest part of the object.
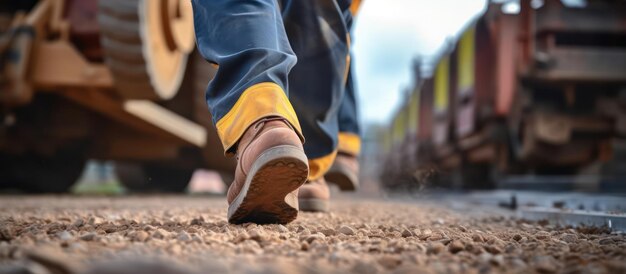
(339, 176)
(265, 196)
(313, 205)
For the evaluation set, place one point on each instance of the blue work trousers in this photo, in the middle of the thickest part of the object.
(276, 57)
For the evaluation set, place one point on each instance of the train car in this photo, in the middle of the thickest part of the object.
(402, 140)
(411, 145)
(399, 145)
(486, 79)
(390, 170)
(425, 124)
(541, 91)
(443, 135)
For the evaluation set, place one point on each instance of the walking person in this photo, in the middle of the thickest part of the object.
(283, 70)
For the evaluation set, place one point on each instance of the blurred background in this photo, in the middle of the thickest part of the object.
(108, 97)
(504, 94)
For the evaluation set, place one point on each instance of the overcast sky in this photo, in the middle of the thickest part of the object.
(388, 34)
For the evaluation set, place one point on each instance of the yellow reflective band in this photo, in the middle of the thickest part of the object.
(354, 7)
(442, 84)
(319, 166)
(256, 102)
(414, 108)
(349, 143)
(467, 49)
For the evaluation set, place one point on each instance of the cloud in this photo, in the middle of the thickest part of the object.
(388, 34)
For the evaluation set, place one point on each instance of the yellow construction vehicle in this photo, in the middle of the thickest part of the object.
(110, 79)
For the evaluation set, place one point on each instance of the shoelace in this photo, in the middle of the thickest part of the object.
(258, 128)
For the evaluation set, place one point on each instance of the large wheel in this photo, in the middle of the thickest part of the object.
(153, 177)
(34, 173)
(146, 44)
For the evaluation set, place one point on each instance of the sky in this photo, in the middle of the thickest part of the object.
(388, 34)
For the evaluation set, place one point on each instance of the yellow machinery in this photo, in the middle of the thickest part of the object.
(110, 79)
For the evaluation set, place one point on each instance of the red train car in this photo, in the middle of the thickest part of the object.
(539, 91)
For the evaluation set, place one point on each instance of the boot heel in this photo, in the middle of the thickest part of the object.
(268, 193)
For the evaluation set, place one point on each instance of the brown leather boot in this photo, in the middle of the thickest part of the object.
(271, 166)
(344, 172)
(314, 196)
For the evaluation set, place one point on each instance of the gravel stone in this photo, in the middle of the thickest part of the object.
(197, 221)
(328, 232)
(94, 220)
(89, 236)
(65, 235)
(569, 238)
(425, 233)
(435, 248)
(493, 249)
(304, 246)
(606, 241)
(406, 233)
(456, 246)
(6, 233)
(196, 238)
(543, 235)
(183, 236)
(78, 223)
(477, 238)
(370, 236)
(346, 230)
(161, 234)
(435, 237)
(315, 237)
(139, 236)
(282, 229)
(257, 234)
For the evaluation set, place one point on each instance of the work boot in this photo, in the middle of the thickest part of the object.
(344, 172)
(314, 196)
(271, 166)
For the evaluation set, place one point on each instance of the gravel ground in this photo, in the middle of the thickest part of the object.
(190, 235)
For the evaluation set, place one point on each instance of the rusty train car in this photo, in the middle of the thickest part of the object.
(541, 91)
(103, 79)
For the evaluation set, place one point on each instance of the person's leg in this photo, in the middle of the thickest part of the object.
(318, 34)
(249, 102)
(345, 169)
(349, 129)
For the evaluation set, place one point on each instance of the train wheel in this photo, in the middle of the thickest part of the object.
(131, 176)
(34, 173)
(169, 179)
(153, 177)
(146, 45)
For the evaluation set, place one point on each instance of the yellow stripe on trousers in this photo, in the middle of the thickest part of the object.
(256, 102)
